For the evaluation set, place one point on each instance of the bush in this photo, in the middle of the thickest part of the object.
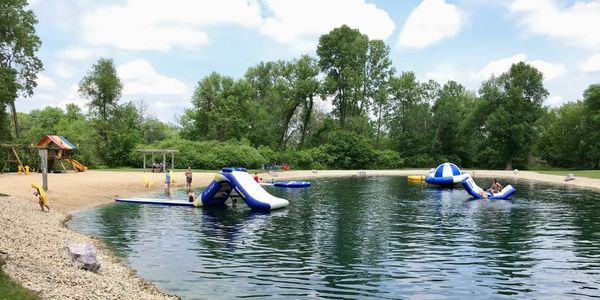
(387, 159)
(204, 155)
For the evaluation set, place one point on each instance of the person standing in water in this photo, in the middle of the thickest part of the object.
(167, 182)
(188, 178)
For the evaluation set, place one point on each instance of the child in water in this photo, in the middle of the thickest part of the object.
(191, 197)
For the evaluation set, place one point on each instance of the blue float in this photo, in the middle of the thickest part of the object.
(292, 184)
(478, 193)
(446, 174)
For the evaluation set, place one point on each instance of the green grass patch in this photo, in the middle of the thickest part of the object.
(578, 173)
(9, 289)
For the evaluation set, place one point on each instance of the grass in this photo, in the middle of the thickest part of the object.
(579, 173)
(9, 289)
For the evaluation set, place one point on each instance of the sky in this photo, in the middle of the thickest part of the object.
(161, 49)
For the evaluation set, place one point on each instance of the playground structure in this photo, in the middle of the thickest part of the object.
(59, 150)
(152, 152)
(12, 157)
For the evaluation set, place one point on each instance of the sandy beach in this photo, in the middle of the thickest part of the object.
(33, 243)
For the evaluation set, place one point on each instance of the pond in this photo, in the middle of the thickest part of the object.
(365, 238)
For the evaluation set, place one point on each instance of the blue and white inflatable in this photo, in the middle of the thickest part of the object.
(292, 184)
(236, 182)
(446, 174)
(478, 193)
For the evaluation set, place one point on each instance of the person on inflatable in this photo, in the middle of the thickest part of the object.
(41, 194)
(496, 187)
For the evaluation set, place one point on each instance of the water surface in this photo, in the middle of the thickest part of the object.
(366, 238)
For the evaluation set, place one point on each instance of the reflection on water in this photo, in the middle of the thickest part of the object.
(371, 237)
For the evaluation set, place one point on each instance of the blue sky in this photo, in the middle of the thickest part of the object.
(163, 48)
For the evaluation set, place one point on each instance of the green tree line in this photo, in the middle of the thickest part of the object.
(346, 108)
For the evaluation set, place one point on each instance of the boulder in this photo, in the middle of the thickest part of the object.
(84, 256)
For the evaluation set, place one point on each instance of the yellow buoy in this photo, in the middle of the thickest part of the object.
(416, 178)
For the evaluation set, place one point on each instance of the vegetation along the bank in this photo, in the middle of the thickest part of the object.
(379, 117)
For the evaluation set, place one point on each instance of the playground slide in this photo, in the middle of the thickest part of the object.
(77, 165)
(236, 182)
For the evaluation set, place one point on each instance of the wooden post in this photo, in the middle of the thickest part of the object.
(144, 161)
(164, 162)
(44, 165)
(18, 159)
(172, 161)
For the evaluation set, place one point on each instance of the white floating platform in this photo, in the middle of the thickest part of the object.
(157, 201)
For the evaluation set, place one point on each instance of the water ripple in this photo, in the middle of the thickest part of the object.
(366, 238)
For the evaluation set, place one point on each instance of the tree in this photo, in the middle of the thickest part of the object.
(561, 140)
(19, 64)
(451, 108)
(514, 101)
(8, 92)
(307, 87)
(591, 100)
(342, 57)
(102, 87)
(410, 117)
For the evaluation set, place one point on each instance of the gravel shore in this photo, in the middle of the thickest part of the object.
(33, 245)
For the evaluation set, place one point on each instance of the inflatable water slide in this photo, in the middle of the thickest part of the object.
(229, 183)
(236, 182)
(478, 193)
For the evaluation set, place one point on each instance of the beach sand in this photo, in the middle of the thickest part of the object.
(33, 244)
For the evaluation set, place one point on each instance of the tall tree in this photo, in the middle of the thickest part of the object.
(410, 116)
(19, 43)
(561, 140)
(342, 57)
(514, 101)
(591, 100)
(102, 87)
(451, 108)
(307, 87)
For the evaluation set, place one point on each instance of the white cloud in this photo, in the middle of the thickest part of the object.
(551, 70)
(554, 100)
(63, 70)
(429, 23)
(302, 22)
(140, 78)
(578, 23)
(592, 64)
(44, 82)
(158, 25)
(75, 53)
(443, 73)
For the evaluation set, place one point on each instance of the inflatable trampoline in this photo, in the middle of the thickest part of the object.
(292, 184)
(446, 174)
(478, 193)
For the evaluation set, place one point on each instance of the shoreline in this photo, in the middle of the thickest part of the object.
(33, 243)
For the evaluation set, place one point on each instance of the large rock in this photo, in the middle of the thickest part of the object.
(84, 256)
